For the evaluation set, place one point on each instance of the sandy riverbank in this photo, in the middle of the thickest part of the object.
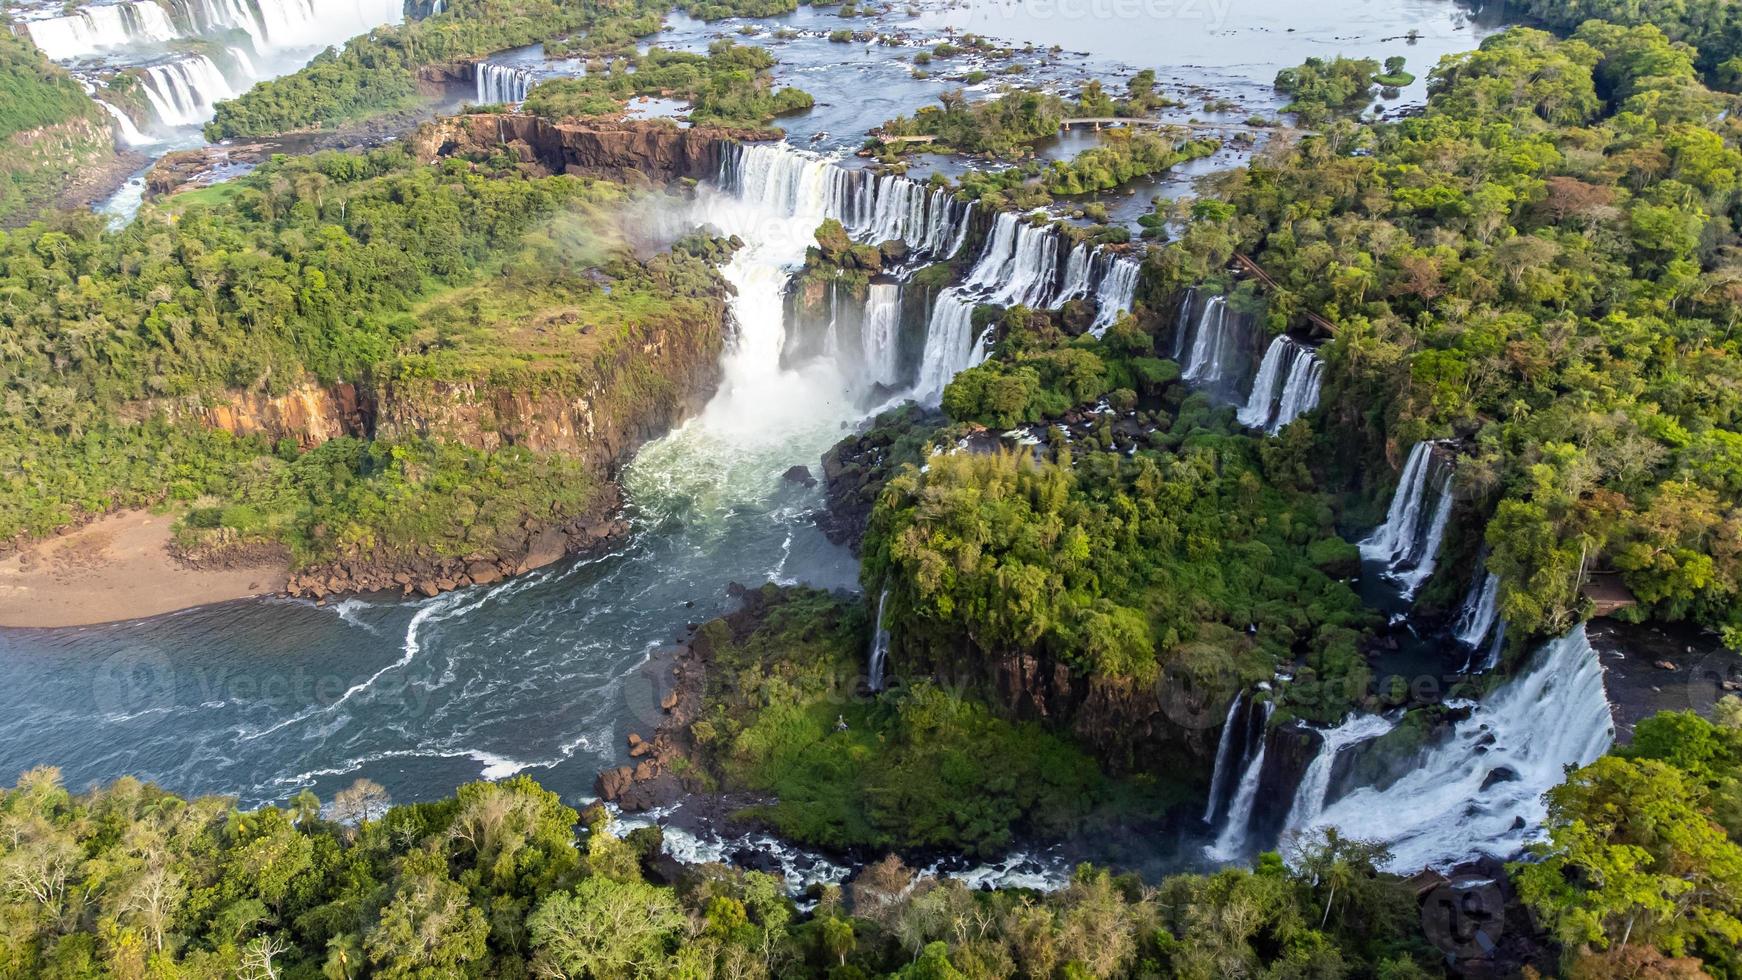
(112, 569)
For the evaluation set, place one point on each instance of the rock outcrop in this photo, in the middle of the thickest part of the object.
(655, 150)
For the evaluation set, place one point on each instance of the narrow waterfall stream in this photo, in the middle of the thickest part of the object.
(878, 658)
(1231, 842)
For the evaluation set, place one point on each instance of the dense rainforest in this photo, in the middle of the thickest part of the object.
(1538, 270)
(367, 270)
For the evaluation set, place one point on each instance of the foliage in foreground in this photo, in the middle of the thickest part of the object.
(1645, 848)
(502, 881)
(918, 766)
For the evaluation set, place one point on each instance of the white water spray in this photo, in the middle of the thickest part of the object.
(1408, 543)
(1480, 790)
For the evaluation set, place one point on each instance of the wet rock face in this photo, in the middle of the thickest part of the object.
(647, 149)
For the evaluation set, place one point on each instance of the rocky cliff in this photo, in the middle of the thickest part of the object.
(668, 371)
(655, 150)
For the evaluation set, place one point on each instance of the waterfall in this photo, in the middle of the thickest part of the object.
(1478, 624)
(1287, 386)
(873, 209)
(1212, 346)
(505, 84)
(1261, 404)
(1116, 295)
(125, 129)
(1479, 791)
(1231, 842)
(1026, 271)
(1224, 752)
(1078, 269)
(182, 92)
(879, 655)
(1300, 389)
(1480, 610)
(881, 333)
(96, 28)
(948, 350)
(144, 37)
(1020, 263)
(1315, 783)
(1409, 540)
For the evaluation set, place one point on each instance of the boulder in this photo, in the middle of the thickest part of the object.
(800, 475)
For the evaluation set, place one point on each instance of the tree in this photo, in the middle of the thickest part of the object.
(430, 928)
(609, 930)
(361, 802)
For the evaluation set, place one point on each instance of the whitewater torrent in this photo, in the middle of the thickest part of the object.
(501, 84)
(1480, 790)
(1020, 262)
(146, 38)
(1213, 345)
(183, 92)
(879, 655)
(1408, 543)
(1231, 842)
(1224, 748)
(1309, 796)
(1286, 387)
(880, 334)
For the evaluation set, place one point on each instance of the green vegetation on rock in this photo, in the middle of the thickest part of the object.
(730, 85)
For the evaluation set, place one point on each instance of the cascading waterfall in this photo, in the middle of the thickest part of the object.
(948, 346)
(1020, 263)
(1261, 405)
(881, 333)
(126, 130)
(879, 655)
(1480, 790)
(1315, 783)
(501, 84)
(1479, 625)
(1408, 543)
(96, 28)
(1025, 267)
(1224, 753)
(1079, 267)
(140, 37)
(1213, 345)
(1481, 609)
(1287, 386)
(183, 92)
(1300, 389)
(1232, 840)
(1117, 293)
(873, 209)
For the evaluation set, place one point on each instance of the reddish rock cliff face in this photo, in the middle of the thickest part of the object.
(308, 414)
(667, 372)
(656, 150)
